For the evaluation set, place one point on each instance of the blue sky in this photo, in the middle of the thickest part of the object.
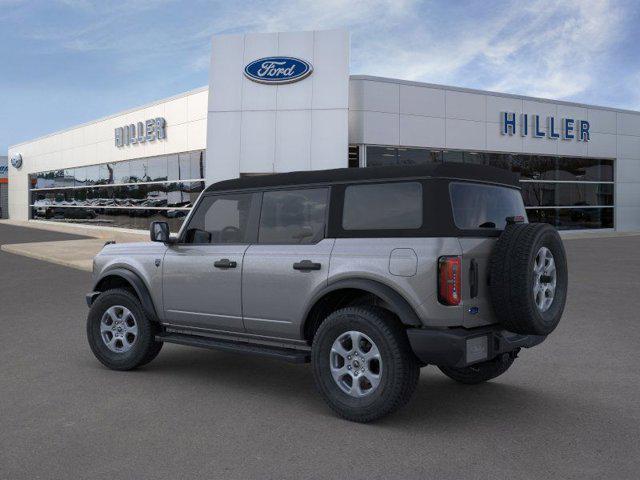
(70, 61)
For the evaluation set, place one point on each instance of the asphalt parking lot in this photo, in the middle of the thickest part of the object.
(567, 409)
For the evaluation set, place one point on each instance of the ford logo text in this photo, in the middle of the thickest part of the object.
(277, 70)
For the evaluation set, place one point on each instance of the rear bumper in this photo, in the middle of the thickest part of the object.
(459, 347)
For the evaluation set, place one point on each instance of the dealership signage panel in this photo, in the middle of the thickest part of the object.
(141, 132)
(551, 127)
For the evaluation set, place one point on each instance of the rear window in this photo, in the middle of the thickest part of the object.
(383, 206)
(478, 206)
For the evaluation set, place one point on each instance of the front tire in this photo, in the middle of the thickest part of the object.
(363, 364)
(120, 334)
(480, 372)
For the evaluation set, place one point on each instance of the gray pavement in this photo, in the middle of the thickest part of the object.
(567, 409)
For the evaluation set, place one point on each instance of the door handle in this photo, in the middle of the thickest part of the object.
(473, 279)
(306, 265)
(224, 263)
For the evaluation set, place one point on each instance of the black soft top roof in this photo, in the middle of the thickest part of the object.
(462, 171)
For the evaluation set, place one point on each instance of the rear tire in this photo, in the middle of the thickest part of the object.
(480, 372)
(386, 370)
(120, 334)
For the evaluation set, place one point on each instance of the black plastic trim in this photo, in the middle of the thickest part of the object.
(396, 302)
(138, 285)
(279, 353)
(91, 297)
(447, 347)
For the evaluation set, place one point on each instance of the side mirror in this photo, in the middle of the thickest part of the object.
(159, 232)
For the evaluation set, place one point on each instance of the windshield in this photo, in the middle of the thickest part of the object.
(484, 206)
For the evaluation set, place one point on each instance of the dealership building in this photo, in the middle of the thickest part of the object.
(279, 102)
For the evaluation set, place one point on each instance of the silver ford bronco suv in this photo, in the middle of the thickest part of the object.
(368, 274)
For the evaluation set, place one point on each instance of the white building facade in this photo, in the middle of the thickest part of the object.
(281, 102)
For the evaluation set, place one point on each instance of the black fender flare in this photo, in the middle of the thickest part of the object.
(138, 285)
(396, 302)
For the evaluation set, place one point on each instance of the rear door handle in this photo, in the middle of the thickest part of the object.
(224, 263)
(306, 265)
(473, 279)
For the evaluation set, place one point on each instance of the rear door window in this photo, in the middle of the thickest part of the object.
(293, 216)
(477, 206)
(383, 206)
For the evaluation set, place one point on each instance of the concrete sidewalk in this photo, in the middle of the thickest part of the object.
(69, 253)
(75, 253)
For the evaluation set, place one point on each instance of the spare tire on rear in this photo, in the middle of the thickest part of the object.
(528, 278)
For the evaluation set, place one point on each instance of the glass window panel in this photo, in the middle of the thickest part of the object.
(606, 171)
(139, 170)
(69, 177)
(104, 196)
(197, 165)
(484, 206)
(449, 156)
(121, 172)
(379, 156)
(535, 167)
(173, 167)
(156, 195)
(137, 193)
(585, 169)
(538, 194)
(573, 218)
(418, 156)
(383, 206)
(221, 219)
(81, 176)
(293, 216)
(80, 196)
(157, 171)
(184, 166)
(498, 160)
(194, 189)
(45, 180)
(58, 178)
(105, 174)
(542, 215)
(582, 194)
(178, 195)
(92, 175)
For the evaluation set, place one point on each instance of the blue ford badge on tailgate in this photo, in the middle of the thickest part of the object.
(278, 70)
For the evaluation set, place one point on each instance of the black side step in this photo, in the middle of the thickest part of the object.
(287, 354)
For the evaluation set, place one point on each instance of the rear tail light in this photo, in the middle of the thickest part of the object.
(449, 280)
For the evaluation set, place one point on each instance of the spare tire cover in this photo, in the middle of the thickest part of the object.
(528, 278)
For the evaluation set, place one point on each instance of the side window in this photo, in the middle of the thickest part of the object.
(383, 206)
(293, 216)
(221, 219)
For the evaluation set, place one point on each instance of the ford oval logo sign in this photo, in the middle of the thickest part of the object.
(278, 70)
(16, 160)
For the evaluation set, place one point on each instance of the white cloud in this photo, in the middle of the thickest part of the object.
(540, 48)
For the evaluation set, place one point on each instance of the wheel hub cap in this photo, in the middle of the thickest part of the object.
(356, 364)
(118, 329)
(544, 279)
